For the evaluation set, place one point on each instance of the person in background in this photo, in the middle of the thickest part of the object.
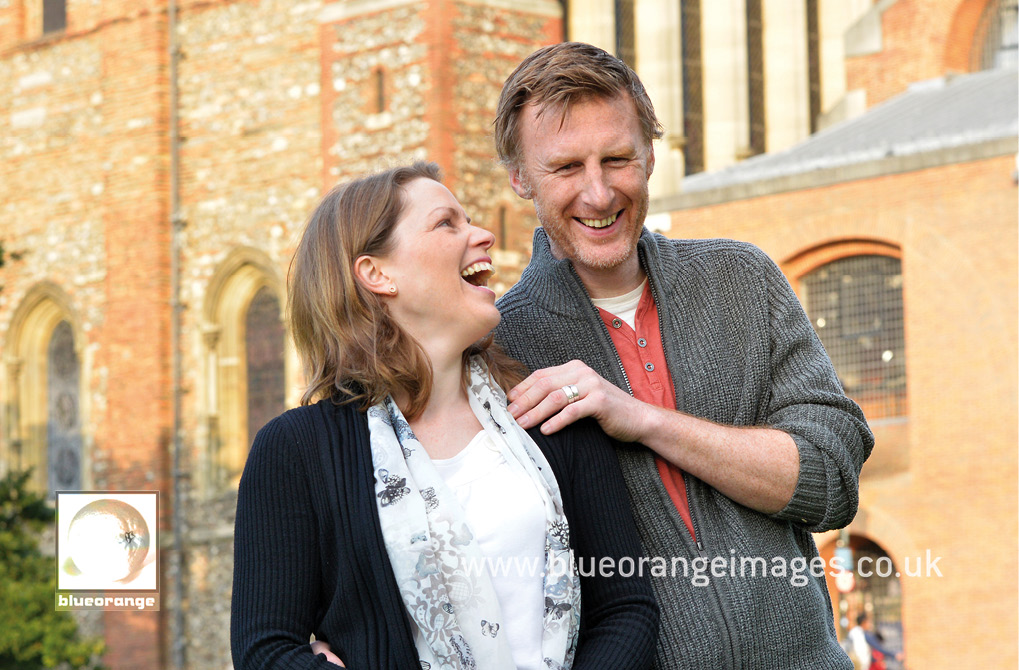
(866, 647)
(404, 519)
(697, 351)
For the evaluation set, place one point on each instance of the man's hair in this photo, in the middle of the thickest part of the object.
(555, 78)
(860, 618)
(349, 344)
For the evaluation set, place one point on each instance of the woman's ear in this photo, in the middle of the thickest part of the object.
(368, 272)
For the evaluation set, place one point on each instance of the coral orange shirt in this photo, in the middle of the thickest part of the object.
(643, 358)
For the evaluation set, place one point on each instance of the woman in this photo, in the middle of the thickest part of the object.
(404, 518)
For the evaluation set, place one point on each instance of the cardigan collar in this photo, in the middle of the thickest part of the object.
(556, 286)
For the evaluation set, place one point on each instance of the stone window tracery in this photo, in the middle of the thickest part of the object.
(63, 428)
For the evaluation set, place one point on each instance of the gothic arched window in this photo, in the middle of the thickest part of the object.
(247, 361)
(44, 426)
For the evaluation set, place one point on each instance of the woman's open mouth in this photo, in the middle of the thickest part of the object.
(478, 274)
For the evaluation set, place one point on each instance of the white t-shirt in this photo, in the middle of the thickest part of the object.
(858, 643)
(504, 510)
(624, 306)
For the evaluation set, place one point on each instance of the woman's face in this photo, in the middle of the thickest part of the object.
(440, 267)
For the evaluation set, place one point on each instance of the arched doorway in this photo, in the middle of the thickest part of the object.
(876, 590)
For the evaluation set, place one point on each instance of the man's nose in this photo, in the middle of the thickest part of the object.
(597, 190)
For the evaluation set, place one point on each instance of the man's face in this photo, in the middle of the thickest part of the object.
(588, 177)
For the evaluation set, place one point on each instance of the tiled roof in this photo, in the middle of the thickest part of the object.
(932, 115)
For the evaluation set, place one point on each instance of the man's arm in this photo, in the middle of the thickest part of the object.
(875, 644)
(802, 464)
(756, 467)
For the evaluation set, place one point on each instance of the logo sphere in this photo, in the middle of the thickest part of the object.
(108, 540)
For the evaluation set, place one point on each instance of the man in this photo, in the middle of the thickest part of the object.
(697, 350)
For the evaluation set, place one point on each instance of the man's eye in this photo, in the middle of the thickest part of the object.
(567, 167)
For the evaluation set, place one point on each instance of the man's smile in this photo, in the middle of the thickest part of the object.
(599, 223)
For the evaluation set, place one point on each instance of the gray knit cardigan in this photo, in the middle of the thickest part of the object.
(741, 352)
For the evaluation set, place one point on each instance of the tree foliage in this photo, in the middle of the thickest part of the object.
(32, 633)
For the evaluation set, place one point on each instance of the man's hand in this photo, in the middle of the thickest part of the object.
(542, 396)
(320, 647)
(757, 467)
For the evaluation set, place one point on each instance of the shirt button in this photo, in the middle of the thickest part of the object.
(649, 367)
(642, 342)
(616, 323)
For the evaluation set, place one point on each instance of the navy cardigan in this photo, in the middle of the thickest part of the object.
(309, 555)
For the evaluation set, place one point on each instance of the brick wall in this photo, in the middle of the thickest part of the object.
(442, 66)
(357, 50)
(84, 194)
(490, 43)
(277, 103)
(921, 39)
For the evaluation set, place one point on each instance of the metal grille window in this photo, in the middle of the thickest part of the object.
(997, 36)
(693, 88)
(264, 342)
(855, 305)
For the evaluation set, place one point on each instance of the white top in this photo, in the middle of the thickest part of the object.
(858, 643)
(624, 306)
(505, 512)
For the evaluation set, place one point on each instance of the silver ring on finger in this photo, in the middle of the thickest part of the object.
(572, 393)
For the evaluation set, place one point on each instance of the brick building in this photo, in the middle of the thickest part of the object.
(277, 100)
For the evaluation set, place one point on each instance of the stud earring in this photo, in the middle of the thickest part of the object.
(392, 289)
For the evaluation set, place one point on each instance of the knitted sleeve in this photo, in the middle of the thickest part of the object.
(619, 614)
(276, 581)
(807, 401)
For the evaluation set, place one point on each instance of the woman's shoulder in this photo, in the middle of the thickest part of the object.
(568, 437)
(303, 428)
(576, 444)
(304, 444)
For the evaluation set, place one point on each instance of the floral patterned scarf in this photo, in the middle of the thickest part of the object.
(435, 557)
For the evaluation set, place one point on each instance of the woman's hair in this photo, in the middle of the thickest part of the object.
(349, 344)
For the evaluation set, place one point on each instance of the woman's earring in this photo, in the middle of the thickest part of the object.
(392, 289)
